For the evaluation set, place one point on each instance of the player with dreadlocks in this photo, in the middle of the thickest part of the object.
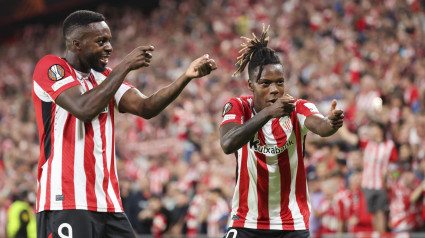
(266, 131)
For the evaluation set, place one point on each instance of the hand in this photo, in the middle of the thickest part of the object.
(282, 107)
(335, 116)
(201, 67)
(139, 57)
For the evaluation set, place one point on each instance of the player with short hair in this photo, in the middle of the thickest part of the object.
(266, 131)
(74, 99)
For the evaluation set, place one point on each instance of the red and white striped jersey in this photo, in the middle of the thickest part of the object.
(76, 167)
(271, 187)
(376, 157)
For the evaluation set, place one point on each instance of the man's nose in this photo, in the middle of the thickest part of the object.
(273, 88)
(108, 47)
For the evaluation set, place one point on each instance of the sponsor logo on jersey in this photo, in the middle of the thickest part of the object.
(227, 108)
(268, 149)
(56, 72)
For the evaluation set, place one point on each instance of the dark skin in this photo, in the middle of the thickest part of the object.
(89, 48)
(270, 102)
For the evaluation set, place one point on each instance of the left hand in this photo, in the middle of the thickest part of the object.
(335, 116)
(201, 67)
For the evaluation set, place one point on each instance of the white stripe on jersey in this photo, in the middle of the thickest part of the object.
(45, 97)
(108, 147)
(293, 205)
(43, 182)
(252, 195)
(56, 172)
(97, 151)
(80, 179)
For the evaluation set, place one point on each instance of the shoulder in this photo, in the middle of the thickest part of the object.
(54, 66)
(50, 60)
(305, 107)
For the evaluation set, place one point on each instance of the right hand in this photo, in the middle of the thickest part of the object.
(282, 107)
(139, 57)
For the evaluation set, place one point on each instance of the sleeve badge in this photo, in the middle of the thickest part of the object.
(56, 72)
(227, 108)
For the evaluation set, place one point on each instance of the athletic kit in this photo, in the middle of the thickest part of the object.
(271, 188)
(76, 169)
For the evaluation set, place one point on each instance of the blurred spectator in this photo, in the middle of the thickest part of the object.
(21, 217)
(155, 216)
(405, 215)
(359, 219)
(378, 153)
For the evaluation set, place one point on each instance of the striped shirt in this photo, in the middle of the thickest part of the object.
(76, 167)
(376, 157)
(271, 187)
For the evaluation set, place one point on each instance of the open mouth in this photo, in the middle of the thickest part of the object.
(104, 59)
(272, 100)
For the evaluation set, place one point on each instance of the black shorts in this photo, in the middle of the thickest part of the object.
(239, 232)
(376, 200)
(82, 223)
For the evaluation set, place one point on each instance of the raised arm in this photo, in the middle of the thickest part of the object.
(233, 136)
(86, 105)
(134, 102)
(326, 126)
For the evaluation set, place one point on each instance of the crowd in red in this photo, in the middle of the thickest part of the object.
(175, 179)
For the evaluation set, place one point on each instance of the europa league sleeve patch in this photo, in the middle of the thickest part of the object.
(227, 108)
(56, 72)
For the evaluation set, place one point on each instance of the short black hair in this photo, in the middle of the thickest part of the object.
(80, 18)
(256, 53)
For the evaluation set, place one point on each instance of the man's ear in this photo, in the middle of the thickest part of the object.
(250, 85)
(76, 44)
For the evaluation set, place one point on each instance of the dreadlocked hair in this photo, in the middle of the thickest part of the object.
(256, 53)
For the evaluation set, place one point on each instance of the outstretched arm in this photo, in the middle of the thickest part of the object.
(134, 102)
(233, 136)
(326, 126)
(86, 105)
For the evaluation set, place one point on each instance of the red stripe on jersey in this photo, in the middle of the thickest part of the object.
(68, 159)
(262, 192)
(109, 204)
(278, 133)
(89, 167)
(243, 189)
(114, 179)
(300, 183)
(263, 221)
(49, 170)
(285, 189)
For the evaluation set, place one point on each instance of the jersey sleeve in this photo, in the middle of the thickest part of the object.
(304, 108)
(52, 76)
(232, 112)
(121, 91)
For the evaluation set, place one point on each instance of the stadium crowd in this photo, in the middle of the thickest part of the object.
(174, 177)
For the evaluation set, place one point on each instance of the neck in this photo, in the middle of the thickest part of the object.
(76, 63)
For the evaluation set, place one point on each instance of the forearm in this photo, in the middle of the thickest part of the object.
(325, 128)
(320, 125)
(158, 101)
(95, 100)
(242, 134)
(86, 105)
